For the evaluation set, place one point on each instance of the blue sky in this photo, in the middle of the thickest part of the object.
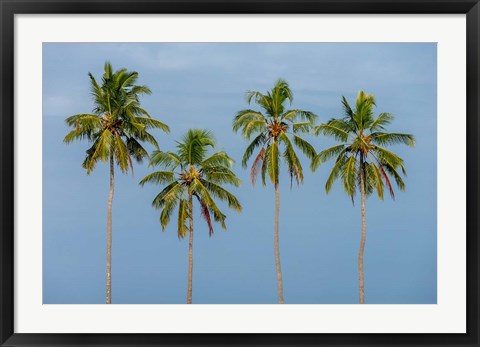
(203, 85)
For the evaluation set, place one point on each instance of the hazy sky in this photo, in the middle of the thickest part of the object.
(203, 86)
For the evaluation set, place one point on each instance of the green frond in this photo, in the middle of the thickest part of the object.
(385, 156)
(258, 141)
(222, 194)
(304, 146)
(140, 90)
(197, 188)
(194, 146)
(256, 165)
(244, 117)
(393, 172)
(77, 134)
(141, 135)
(384, 139)
(99, 151)
(221, 175)
(85, 118)
(168, 160)
(184, 209)
(327, 154)
(273, 163)
(150, 123)
(206, 215)
(304, 127)
(293, 163)
(363, 115)
(294, 115)
(166, 213)
(381, 121)
(370, 183)
(265, 166)
(376, 179)
(336, 171)
(347, 109)
(349, 176)
(159, 177)
(136, 150)
(170, 193)
(258, 98)
(122, 156)
(273, 101)
(253, 127)
(334, 128)
(217, 159)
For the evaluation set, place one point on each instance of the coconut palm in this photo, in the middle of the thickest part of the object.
(190, 174)
(115, 128)
(276, 131)
(361, 159)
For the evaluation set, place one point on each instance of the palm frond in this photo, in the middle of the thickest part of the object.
(257, 163)
(257, 141)
(383, 139)
(199, 189)
(253, 127)
(122, 156)
(99, 151)
(303, 127)
(159, 177)
(393, 172)
(168, 194)
(217, 159)
(386, 179)
(222, 194)
(349, 176)
(304, 146)
(334, 128)
(385, 156)
(206, 215)
(378, 181)
(272, 160)
(244, 117)
(166, 213)
(327, 154)
(336, 171)
(165, 159)
(294, 166)
(136, 150)
(151, 123)
(381, 121)
(294, 115)
(194, 146)
(221, 175)
(184, 208)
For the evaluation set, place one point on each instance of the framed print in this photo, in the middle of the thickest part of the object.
(242, 173)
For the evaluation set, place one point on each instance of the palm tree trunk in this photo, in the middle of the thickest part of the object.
(276, 246)
(364, 235)
(109, 234)
(190, 254)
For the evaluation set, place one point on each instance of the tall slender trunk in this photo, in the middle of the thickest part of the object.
(109, 233)
(361, 283)
(276, 246)
(190, 253)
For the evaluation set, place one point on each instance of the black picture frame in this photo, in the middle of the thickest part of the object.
(9, 8)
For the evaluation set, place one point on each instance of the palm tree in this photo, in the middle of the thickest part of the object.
(273, 129)
(190, 173)
(115, 129)
(361, 159)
